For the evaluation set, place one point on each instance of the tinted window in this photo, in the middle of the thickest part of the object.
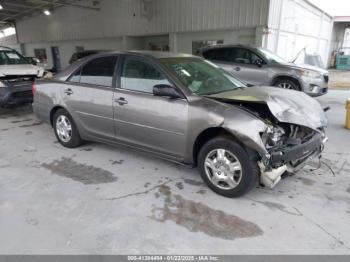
(220, 54)
(208, 54)
(235, 55)
(99, 71)
(140, 76)
(243, 56)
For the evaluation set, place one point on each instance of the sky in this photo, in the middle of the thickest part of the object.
(334, 7)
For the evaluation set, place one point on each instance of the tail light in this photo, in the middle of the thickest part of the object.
(33, 88)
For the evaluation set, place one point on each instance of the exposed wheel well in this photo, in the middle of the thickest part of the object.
(52, 113)
(278, 78)
(207, 135)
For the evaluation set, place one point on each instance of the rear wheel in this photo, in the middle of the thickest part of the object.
(66, 130)
(226, 168)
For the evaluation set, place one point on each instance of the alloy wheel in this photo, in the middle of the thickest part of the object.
(285, 86)
(223, 169)
(64, 128)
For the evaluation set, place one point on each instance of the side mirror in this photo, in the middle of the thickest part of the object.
(36, 60)
(166, 90)
(259, 62)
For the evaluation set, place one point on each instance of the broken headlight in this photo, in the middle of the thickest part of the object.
(272, 136)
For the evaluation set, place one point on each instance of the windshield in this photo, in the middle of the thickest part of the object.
(200, 76)
(271, 57)
(9, 57)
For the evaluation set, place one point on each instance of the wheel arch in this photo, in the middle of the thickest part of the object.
(288, 77)
(211, 133)
(53, 111)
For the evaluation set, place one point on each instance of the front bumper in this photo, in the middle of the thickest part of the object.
(290, 159)
(315, 87)
(15, 95)
(297, 154)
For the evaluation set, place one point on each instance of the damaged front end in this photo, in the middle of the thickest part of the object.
(289, 148)
(294, 133)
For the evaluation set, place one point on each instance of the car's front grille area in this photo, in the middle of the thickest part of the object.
(326, 78)
(23, 94)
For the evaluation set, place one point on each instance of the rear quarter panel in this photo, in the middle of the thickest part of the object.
(46, 97)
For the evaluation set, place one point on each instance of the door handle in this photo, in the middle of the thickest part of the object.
(121, 101)
(68, 91)
(237, 68)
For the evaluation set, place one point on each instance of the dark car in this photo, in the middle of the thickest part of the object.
(79, 55)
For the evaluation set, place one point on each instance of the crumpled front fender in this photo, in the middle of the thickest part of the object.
(246, 128)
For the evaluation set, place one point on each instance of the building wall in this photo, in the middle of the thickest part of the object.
(126, 24)
(295, 24)
(143, 17)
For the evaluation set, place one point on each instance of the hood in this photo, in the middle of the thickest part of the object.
(307, 67)
(21, 69)
(287, 106)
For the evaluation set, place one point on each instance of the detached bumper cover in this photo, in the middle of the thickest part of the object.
(297, 153)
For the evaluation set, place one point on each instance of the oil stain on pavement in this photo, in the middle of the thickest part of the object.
(193, 182)
(306, 181)
(197, 217)
(88, 175)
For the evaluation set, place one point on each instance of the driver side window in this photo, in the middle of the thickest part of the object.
(140, 76)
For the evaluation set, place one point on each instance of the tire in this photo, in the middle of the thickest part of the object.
(249, 173)
(287, 84)
(73, 139)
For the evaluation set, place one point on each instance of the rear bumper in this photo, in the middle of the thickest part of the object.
(298, 154)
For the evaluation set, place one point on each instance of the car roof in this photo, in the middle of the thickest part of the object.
(148, 54)
(227, 46)
(153, 54)
(92, 51)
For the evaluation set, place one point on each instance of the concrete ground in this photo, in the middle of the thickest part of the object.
(98, 199)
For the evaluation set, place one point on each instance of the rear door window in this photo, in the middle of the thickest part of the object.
(98, 71)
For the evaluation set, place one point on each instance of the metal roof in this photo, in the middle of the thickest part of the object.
(14, 10)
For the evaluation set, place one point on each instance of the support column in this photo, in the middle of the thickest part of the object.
(173, 42)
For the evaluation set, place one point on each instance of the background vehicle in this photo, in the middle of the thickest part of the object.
(258, 66)
(33, 60)
(79, 55)
(17, 75)
(184, 109)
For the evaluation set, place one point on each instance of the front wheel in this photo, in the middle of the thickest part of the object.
(287, 84)
(226, 168)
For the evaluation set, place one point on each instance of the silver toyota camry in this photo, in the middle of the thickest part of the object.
(184, 109)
